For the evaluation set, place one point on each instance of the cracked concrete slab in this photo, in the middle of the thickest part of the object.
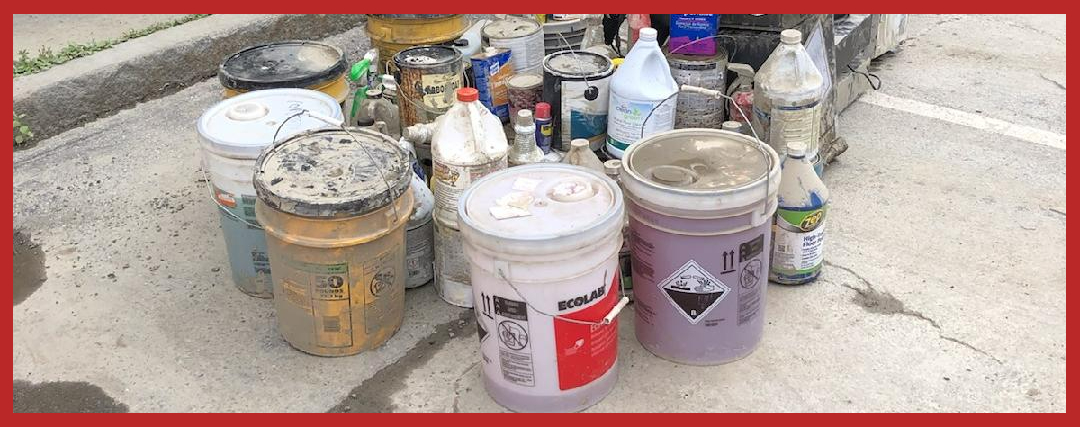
(953, 236)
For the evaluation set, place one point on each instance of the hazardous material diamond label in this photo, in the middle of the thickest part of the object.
(693, 291)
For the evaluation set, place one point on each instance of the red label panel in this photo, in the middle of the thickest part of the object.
(586, 352)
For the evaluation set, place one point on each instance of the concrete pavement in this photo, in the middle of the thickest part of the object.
(944, 288)
(32, 32)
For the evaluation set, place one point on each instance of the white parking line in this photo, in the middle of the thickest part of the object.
(1001, 127)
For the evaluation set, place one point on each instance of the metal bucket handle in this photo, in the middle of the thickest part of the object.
(606, 320)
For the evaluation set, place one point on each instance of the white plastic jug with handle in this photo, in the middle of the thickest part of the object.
(788, 90)
(643, 95)
(468, 143)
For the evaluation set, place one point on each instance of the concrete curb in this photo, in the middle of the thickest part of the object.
(85, 89)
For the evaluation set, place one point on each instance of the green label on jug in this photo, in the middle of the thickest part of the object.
(799, 237)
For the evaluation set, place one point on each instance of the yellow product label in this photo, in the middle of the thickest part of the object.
(439, 89)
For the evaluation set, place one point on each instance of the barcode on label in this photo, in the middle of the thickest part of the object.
(331, 324)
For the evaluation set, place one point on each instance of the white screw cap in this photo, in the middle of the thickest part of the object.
(790, 36)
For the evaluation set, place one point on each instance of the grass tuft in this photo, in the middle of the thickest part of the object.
(46, 58)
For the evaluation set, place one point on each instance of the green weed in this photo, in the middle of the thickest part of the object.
(21, 132)
(46, 58)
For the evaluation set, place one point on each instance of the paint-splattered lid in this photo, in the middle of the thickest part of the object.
(510, 28)
(242, 126)
(295, 64)
(421, 56)
(701, 169)
(576, 63)
(541, 208)
(329, 174)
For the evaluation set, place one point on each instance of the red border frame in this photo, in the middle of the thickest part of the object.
(67, 6)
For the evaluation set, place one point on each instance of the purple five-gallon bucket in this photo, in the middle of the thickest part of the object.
(700, 203)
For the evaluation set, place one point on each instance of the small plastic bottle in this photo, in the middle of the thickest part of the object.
(799, 224)
(524, 149)
(734, 126)
(581, 155)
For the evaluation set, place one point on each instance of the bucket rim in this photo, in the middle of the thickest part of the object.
(336, 71)
(217, 144)
(453, 58)
(538, 29)
(342, 207)
(612, 219)
(607, 71)
(702, 199)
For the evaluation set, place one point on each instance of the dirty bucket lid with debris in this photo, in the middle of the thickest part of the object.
(296, 64)
(330, 174)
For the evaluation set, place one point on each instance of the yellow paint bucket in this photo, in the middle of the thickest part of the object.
(394, 33)
(288, 64)
(334, 204)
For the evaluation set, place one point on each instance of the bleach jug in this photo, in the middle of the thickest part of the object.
(799, 226)
(643, 95)
(468, 143)
(787, 97)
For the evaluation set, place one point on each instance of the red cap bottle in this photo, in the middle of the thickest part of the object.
(543, 110)
(468, 94)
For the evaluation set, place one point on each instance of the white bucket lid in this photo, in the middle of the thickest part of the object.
(568, 207)
(242, 126)
(702, 171)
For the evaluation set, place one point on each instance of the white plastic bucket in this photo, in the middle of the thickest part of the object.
(546, 285)
(700, 204)
(232, 134)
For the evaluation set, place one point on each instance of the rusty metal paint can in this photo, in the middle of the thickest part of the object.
(427, 78)
(696, 110)
(525, 91)
(335, 205)
(392, 33)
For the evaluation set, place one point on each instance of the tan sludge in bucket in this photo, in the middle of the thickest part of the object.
(543, 244)
(334, 205)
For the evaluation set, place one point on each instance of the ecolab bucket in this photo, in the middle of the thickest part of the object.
(543, 243)
(700, 203)
(232, 134)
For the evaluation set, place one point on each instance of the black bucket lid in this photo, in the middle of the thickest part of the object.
(288, 64)
(329, 174)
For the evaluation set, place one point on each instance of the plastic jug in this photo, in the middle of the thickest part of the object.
(643, 96)
(799, 226)
(787, 97)
(581, 155)
(468, 143)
